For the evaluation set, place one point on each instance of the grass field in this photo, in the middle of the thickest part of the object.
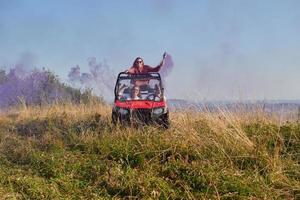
(73, 152)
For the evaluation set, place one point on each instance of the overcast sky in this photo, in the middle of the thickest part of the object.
(222, 50)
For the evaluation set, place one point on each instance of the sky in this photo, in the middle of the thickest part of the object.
(222, 50)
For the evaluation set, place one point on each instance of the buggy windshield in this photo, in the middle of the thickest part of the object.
(139, 88)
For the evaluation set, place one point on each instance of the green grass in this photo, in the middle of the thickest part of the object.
(68, 152)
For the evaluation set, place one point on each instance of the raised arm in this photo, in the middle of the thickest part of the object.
(121, 90)
(158, 67)
(153, 69)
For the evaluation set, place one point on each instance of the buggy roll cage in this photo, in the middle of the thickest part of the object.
(127, 76)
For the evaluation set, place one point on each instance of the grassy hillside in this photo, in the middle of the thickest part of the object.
(73, 152)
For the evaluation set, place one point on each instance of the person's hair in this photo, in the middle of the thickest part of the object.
(139, 94)
(138, 58)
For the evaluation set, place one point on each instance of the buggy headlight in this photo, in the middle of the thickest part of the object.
(158, 111)
(123, 111)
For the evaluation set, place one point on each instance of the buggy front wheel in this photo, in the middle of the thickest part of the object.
(114, 118)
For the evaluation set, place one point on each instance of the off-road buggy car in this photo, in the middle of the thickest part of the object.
(147, 106)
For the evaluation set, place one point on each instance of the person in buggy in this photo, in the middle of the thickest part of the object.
(139, 67)
(135, 93)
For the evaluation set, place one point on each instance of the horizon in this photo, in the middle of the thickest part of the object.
(222, 50)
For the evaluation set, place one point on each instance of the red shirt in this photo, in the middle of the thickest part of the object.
(146, 69)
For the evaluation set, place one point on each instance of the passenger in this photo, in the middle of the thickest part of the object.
(135, 93)
(139, 67)
(158, 93)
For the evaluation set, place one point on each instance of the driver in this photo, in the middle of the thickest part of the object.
(135, 93)
(157, 95)
(157, 92)
(139, 67)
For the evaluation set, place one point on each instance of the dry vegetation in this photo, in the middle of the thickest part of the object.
(73, 152)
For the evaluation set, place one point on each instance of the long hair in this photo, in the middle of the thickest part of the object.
(138, 58)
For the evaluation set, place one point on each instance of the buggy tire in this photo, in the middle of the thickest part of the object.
(165, 121)
(114, 118)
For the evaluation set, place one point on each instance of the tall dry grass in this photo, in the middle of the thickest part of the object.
(73, 151)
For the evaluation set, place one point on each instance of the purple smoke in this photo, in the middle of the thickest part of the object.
(100, 78)
(33, 87)
(166, 70)
(167, 67)
(74, 74)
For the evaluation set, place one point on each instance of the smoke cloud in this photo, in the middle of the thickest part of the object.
(100, 78)
(167, 67)
(23, 82)
(34, 87)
